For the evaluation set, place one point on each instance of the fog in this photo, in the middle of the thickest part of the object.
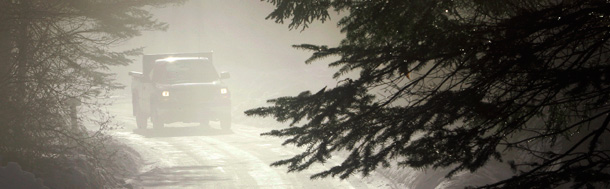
(256, 52)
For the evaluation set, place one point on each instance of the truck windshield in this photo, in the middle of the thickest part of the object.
(184, 71)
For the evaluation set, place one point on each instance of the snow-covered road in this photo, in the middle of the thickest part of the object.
(188, 156)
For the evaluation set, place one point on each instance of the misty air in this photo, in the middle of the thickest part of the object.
(304, 94)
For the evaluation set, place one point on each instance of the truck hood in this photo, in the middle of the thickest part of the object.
(191, 85)
(194, 92)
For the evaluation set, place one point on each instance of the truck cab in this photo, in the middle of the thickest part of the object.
(180, 88)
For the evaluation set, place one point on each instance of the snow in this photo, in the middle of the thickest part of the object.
(11, 176)
(187, 156)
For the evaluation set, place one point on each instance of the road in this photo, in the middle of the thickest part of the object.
(189, 156)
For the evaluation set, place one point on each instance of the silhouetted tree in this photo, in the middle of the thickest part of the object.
(55, 51)
(457, 83)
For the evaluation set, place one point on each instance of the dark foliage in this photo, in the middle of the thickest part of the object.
(457, 83)
(54, 51)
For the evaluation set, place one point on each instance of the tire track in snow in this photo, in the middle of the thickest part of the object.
(273, 145)
(169, 163)
(224, 162)
(238, 160)
(269, 150)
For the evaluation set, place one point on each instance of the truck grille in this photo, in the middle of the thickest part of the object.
(193, 96)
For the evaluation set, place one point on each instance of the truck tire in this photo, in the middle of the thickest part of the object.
(134, 105)
(225, 122)
(141, 120)
(157, 124)
(204, 122)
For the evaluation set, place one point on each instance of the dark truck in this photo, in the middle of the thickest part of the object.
(180, 88)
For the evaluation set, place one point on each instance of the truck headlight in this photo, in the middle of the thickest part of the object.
(165, 93)
(224, 91)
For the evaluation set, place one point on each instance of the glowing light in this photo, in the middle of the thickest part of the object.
(173, 59)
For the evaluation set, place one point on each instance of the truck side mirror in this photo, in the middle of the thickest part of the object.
(138, 76)
(225, 75)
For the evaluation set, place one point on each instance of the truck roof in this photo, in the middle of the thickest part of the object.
(172, 59)
(149, 60)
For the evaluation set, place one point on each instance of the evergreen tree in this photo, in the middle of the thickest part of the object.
(55, 51)
(456, 83)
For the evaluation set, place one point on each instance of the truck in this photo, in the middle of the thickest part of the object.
(182, 87)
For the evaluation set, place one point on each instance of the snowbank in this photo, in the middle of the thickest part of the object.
(12, 176)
